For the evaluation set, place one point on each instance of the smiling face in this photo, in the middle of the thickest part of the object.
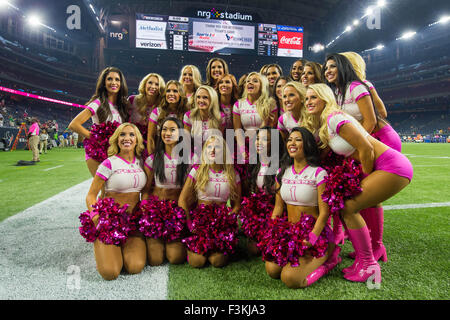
(253, 85)
(294, 145)
(314, 105)
(112, 83)
(127, 139)
(187, 76)
(291, 98)
(152, 86)
(272, 74)
(225, 86)
(202, 99)
(262, 142)
(331, 72)
(278, 90)
(217, 70)
(214, 152)
(170, 132)
(308, 76)
(296, 70)
(172, 94)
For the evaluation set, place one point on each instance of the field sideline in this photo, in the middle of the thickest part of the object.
(40, 241)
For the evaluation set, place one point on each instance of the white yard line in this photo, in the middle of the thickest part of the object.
(48, 169)
(44, 257)
(416, 206)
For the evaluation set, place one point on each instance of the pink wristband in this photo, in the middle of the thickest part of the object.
(93, 213)
(312, 238)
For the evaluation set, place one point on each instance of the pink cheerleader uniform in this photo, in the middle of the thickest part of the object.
(214, 226)
(141, 122)
(228, 116)
(348, 103)
(286, 122)
(282, 243)
(154, 116)
(96, 147)
(163, 219)
(115, 224)
(187, 120)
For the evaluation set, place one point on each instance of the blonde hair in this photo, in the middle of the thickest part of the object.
(141, 98)
(113, 140)
(214, 117)
(265, 102)
(197, 77)
(202, 178)
(301, 90)
(319, 123)
(357, 62)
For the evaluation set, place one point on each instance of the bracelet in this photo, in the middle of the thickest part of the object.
(312, 238)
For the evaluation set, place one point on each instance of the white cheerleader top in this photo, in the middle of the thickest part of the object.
(300, 188)
(93, 107)
(122, 176)
(355, 91)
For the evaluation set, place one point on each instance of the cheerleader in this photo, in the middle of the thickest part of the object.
(205, 118)
(385, 133)
(215, 69)
(254, 110)
(173, 104)
(108, 104)
(257, 208)
(387, 171)
(358, 102)
(150, 90)
(191, 79)
(277, 94)
(241, 84)
(294, 105)
(273, 72)
(122, 174)
(297, 69)
(208, 188)
(227, 92)
(300, 183)
(311, 73)
(166, 173)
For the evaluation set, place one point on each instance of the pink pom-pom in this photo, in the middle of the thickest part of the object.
(97, 145)
(283, 241)
(214, 229)
(113, 223)
(255, 214)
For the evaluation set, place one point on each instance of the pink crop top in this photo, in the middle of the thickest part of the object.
(250, 118)
(338, 144)
(122, 176)
(93, 107)
(170, 171)
(300, 189)
(135, 116)
(286, 122)
(154, 116)
(217, 189)
(355, 91)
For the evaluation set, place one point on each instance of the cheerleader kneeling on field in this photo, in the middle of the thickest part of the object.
(204, 198)
(109, 221)
(163, 222)
(299, 248)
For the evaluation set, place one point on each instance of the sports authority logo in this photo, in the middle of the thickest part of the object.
(216, 14)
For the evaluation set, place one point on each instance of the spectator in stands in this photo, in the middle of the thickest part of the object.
(33, 139)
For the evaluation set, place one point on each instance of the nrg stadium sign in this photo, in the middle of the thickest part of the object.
(216, 14)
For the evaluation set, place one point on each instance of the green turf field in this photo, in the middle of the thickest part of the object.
(417, 240)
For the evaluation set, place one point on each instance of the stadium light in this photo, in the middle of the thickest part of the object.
(355, 22)
(369, 11)
(381, 3)
(348, 28)
(4, 4)
(444, 19)
(407, 35)
(317, 47)
(379, 47)
(34, 20)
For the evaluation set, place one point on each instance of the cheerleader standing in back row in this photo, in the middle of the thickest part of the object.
(168, 172)
(308, 240)
(294, 106)
(191, 79)
(109, 104)
(207, 190)
(215, 69)
(150, 90)
(387, 171)
(124, 179)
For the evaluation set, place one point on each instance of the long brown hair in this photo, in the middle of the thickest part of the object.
(101, 94)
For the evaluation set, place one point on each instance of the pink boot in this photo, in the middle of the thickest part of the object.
(367, 265)
(375, 220)
(329, 265)
(316, 275)
(353, 267)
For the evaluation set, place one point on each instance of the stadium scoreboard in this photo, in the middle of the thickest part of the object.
(220, 36)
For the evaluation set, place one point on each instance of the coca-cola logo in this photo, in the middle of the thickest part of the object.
(293, 40)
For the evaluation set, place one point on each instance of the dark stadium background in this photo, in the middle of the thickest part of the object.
(412, 76)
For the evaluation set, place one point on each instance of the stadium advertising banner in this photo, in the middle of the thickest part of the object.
(218, 35)
(118, 33)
